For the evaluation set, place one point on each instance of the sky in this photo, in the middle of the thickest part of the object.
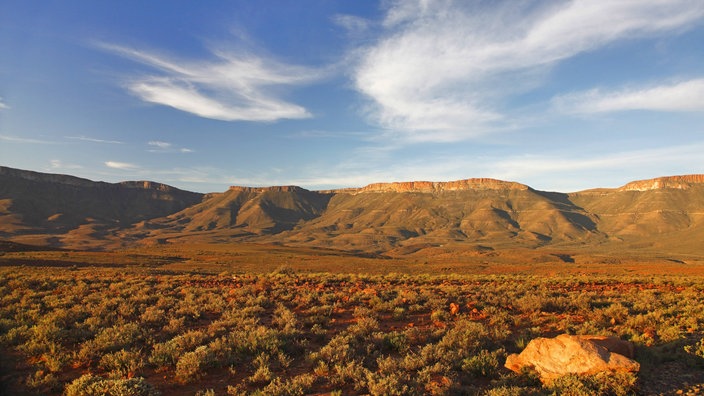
(201, 95)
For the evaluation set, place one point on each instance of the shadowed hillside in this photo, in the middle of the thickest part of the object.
(239, 212)
(666, 213)
(657, 216)
(476, 210)
(65, 210)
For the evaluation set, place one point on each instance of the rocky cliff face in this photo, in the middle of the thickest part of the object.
(148, 185)
(267, 189)
(434, 187)
(674, 182)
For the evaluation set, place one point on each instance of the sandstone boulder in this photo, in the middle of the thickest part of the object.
(570, 354)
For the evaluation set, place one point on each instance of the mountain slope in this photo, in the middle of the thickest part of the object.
(486, 211)
(65, 210)
(666, 212)
(239, 212)
(663, 215)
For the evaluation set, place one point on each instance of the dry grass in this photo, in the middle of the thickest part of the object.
(262, 319)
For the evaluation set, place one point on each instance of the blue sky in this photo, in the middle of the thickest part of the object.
(559, 95)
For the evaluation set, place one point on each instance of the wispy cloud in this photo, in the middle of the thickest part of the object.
(554, 171)
(355, 26)
(329, 134)
(16, 139)
(55, 165)
(93, 140)
(682, 96)
(3, 106)
(158, 146)
(230, 86)
(577, 172)
(443, 68)
(121, 165)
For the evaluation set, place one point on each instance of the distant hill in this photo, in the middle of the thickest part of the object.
(658, 215)
(60, 210)
(239, 212)
(381, 217)
(664, 214)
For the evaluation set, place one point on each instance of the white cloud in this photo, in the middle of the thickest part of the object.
(16, 139)
(354, 25)
(574, 173)
(444, 67)
(228, 87)
(159, 144)
(682, 96)
(93, 140)
(60, 165)
(3, 106)
(121, 165)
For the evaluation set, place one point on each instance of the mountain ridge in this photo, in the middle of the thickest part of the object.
(431, 186)
(673, 181)
(676, 182)
(68, 212)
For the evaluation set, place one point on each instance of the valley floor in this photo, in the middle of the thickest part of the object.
(273, 320)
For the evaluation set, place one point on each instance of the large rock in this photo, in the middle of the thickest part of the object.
(568, 354)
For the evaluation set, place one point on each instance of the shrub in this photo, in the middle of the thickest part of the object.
(89, 385)
(507, 391)
(387, 384)
(460, 342)
(262, 372)
(190, 366)
(284, 319)
(297, 386)
(122, 363)
(41, 380)
(605, 383)
(696, 351)
(110, 339)
(167, 353)
(484, 363)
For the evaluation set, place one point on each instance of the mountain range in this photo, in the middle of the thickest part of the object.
(662, 215)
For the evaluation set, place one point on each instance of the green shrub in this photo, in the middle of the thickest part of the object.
(89, 385)
(695, 353)
(262, 372)
(604, 383)
(110, 339)
(484, 363)
(697, 349)
(42, 380)
(122, 363)
(191, 365)
(297, 386)
(167, 353)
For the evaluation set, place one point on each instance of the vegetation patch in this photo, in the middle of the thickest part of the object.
(143, 332)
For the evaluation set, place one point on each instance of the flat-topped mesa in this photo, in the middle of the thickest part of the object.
(675, 182)
(147, 185)
(265, 189)
(433, 187)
